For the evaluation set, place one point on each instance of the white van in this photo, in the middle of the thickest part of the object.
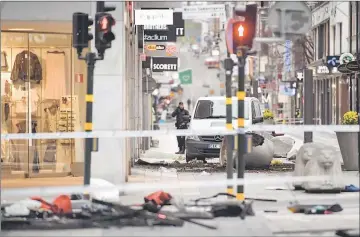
(210, 113)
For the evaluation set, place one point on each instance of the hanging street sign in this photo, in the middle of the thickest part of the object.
(153, 47)
(154, 17)
(143, 57)
(342, 68)
(297, 17)
(346, 58)
(170, 50)
(179, 24)
(288, 56)
(185, 77)
(353, 66)
(164, 64)
(204, 11)
(332, 61)
(160, 35)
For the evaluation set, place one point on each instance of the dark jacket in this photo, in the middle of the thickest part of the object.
(21, 70)
(179, 113)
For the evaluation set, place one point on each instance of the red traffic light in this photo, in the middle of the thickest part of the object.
(106, 22)
(241, 30)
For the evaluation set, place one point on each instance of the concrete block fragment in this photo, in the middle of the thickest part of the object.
(306, 152)
(282, 145)
(325, 163)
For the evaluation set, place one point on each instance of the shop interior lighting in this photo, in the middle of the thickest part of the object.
(21, 29)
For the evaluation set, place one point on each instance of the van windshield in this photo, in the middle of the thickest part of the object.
(207, 109)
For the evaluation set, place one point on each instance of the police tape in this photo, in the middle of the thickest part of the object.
(136, 187)
(182, 132)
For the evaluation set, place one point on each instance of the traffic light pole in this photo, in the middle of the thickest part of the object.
(89, 98)
(81, 37)
(229, 64)
(91, 144)
(241, 139)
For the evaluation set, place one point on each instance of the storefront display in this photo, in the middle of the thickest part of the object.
(39, 94)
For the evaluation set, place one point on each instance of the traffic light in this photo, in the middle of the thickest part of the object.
(104, 22)
(244, 29)
(81, 34)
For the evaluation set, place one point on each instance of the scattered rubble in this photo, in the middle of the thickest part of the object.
(198, 166)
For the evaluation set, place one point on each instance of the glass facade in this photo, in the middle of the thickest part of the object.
(43, 88)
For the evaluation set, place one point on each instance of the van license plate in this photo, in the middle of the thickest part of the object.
(214, 146)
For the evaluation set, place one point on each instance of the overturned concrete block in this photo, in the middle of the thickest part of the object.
(260, 157)
(325, 163)
(282, 145)
(306, 152)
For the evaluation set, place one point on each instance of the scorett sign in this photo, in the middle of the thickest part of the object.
(164, 64)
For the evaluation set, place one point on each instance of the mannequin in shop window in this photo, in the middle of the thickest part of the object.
(36, 160)
(51, 119)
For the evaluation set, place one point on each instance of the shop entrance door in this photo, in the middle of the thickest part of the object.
(322, 101)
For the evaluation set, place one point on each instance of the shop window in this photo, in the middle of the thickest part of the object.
(321, 41)
(340, 37)
(43, 87)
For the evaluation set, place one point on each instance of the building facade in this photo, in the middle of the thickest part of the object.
(43, 88)
(330, 32)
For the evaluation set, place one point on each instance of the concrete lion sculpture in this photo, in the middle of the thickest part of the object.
(325, 163)
(306, 152)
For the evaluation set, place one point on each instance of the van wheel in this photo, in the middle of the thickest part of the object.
(203, 160)
(188, 158)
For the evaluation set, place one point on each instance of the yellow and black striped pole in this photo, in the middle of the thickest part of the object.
(228, 65)
(241, 139)
(90, 143)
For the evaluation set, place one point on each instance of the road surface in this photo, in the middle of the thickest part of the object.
(261, 225)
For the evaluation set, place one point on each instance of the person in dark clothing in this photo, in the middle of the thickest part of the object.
(181, 123)
(188, 103)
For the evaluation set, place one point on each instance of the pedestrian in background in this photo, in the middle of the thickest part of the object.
(188, 103)
(181, 123)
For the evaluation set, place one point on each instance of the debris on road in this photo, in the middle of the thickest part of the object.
(210, 167)
(167, 170)
(96, 213)
(204, 173)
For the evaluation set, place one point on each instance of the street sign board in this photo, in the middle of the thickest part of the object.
(170, 50)
(204, 11)
(154, 17)
(164, 64)
(332, 61)
(297, 17)
(153, 47)
(288, 56)
(155, 27)
(342, 68)
(179, 24)
(143, 57)
(353, 66)
(346, 58)
(185, 77)
(160, 35)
